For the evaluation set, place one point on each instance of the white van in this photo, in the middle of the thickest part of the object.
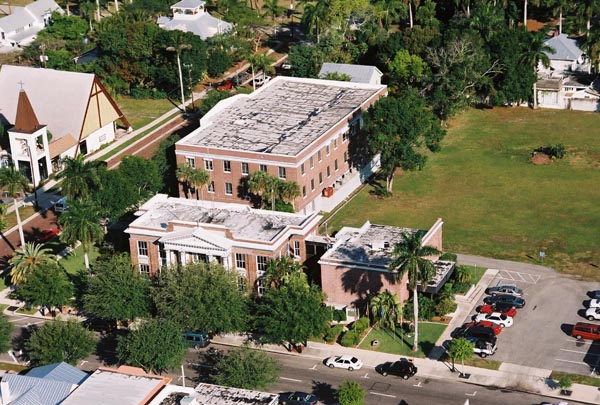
(61, 205)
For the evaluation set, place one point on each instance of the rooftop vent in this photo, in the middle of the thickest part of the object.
(377, 245)
(189, 400)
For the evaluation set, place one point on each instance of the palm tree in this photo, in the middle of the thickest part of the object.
(25, 261)
(184, 173)
(262, 183)
(288, 192)
(260, 61)
(561, 6)
(410, 3)
(280, 270)
(385, 307)
(88, 8)
(81, 223)
(79, 177)
(535, 3)
(585, 11)
(272, 9)
(317, 16)
(197, 179)
(537, 51)
(409, 256)
(15, 183)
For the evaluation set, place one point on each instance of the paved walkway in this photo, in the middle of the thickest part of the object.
(490, 263)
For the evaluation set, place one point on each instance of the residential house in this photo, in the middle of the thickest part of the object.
(297, 129)
(357, 73)
(123, 385)
(45, 385)
(354, 267)
(52, 114)
(209, 394)
(191, 16)
(21, 27)
(565, 57)
(171, 231)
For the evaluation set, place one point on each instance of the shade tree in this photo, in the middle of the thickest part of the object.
(247, 368)
(47, 286)
(58, 341)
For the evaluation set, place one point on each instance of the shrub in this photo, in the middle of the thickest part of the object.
(333, 333)
(451, 257)
(338, 315)
(460, 288)
(350, 338)
(445, 306)
(564, 382)
(426, 308)
(361, 325)
(557, 151)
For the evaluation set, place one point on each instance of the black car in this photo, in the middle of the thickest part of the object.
(403, 368)
(480, 332)
(516, 302)
(298, 398)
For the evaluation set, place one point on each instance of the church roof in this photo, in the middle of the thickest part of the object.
(26, 121)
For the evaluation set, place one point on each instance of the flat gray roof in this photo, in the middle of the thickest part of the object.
(245, 223)
(209, 394)
(283, 117)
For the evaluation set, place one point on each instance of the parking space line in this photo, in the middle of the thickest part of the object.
(577, 351)
(579, 341)
(518, 276)
(570, 361)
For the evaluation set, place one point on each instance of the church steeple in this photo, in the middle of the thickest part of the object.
(26, 120)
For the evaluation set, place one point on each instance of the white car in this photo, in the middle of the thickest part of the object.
(593, 314)
(286, 66)
(495, 317)
(348, 362)
(261, 79)
(595, 303)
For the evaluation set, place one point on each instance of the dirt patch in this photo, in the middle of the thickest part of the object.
(539, 158)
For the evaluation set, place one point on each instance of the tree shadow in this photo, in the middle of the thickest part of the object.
(106, 349)
(363, 283)
(378, 188)
(324, 391)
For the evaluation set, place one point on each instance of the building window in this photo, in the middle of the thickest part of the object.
(282, 172)
(211, 187)
(263, 168)
(227, 166)
(245, 170)
(144, 269)
(345, 157)
(261, 263)
(312, 184)
(297, 248)
(302, 169)
(319, 156)
(242, 282)
(328, 171)
(327, 150)
(335, 143)
(208, 164)
(320, 177)
(260, 284)
(142, 248)
(191, 162)
(228, 188)
(240, 261)
(304, 191)
(312, 162)
(345, 136)
(335, 165)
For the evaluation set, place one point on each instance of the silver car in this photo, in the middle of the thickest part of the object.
(505, 290)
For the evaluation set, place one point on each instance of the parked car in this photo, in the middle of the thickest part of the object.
(286, 66)
(475, 331)
(261, 79)
(515, 301)
(47, 234)
(483, 347)
(403, 368)
(298, 398)
(595, 294)
(593, 314)
(346, 361)
(595, 303)
(486, 324)
(196, 339)
(495, 317)
(505, 289)
(61, 205)
(504, 309)
(226, 85)
(583, 330)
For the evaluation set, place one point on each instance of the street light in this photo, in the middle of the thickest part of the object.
(178, 50)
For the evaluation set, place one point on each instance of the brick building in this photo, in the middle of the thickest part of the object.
(355, 266)
(302, 130)
(178, 231)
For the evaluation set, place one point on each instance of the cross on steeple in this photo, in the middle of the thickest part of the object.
(20, 83)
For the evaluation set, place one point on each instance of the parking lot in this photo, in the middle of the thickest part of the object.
(540, 336)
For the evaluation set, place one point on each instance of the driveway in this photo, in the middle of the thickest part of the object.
(540, 336)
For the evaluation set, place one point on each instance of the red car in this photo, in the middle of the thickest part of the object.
(226, 85)
(46, 235)
(503, 309)
(493, 326)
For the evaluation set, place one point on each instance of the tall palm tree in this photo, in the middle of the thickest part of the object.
(280, 270)
(14, 182)
(317, 17)
(28, 259)
(81, 223)
(410, 4)
(288, 192)
(184, 173)
(385, 308)
(79, 177)
(560, 7)
(537, 51)
(198, 178)
(586, 9)
(273, 9)
(262, 183)
(260, 61)
(409, 256)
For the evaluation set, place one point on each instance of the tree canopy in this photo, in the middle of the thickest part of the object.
(247, 368)
(47, 286)
(58, 341)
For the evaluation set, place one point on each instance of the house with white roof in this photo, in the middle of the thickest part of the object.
(21, 27)
(52, 114)
(357, 73)
(191, 16)
(565, 57)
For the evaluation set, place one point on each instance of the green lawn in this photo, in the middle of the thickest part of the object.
(142, 112)
(401, 343)
(74, 262)
(496, 203)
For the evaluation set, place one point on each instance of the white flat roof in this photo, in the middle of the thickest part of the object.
(283, 117)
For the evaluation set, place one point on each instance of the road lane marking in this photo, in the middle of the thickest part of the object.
(366, 375)
(383, 395)
(570, 361)
(313, 367)
(417, 385)
(579, 341)
(586, 353)
(471, 395)
(289, 379)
